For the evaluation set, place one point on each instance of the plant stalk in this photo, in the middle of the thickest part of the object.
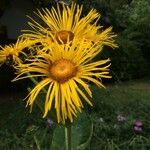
(68, 137)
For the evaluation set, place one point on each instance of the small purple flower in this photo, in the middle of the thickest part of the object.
(50, 122)
(121, 119)
(138, 126)
(138, 123)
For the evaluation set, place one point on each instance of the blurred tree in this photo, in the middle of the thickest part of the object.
(136, 19)
(134, 39)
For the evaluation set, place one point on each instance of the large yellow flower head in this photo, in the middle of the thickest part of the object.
(12, 52)
(65, 24)
(64, 73)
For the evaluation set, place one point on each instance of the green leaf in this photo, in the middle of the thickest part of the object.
(58, 140)
(82, 130)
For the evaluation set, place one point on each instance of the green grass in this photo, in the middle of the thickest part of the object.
(131, 102)
(18, 126)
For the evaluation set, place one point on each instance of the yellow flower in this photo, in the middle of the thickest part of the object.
(64, 74)
(12, 52)
(66, 24)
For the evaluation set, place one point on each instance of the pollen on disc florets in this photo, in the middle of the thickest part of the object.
(64, 36)
(62, 70)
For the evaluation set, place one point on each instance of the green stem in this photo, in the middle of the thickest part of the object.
(68, 137)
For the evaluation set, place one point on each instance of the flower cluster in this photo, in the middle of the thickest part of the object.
(121, 119)
(62, 48)
(138, 126)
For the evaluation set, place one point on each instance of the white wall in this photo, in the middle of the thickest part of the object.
(14, 17)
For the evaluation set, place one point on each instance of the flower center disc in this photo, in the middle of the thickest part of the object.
(62, 70)
(64, 36)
